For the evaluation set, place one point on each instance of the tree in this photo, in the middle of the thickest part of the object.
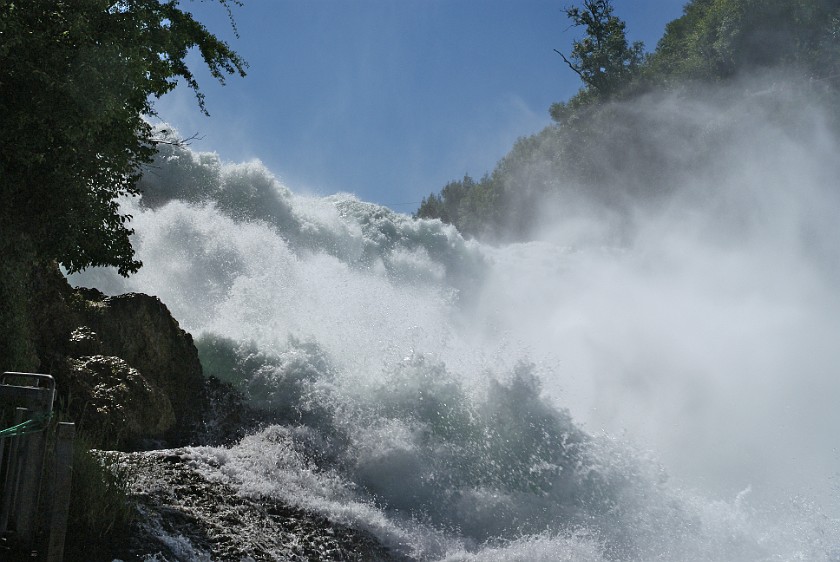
(604, 60)
(448, 205)
(77, 80)
(579, 157)
(722, 39)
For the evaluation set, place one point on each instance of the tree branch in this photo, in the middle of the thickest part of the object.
(573, 67)
(170, 139)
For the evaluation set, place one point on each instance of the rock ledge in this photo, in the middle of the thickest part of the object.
(186, 517)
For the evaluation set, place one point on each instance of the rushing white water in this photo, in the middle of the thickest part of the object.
(671, 397)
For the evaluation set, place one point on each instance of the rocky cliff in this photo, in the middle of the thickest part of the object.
(126, 372)
(131, 379)
(187, 517)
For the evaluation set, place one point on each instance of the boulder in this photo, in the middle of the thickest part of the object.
(140, 330)
(113, 402)
(124, 363)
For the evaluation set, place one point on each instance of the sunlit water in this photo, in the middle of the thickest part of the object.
(669, 397)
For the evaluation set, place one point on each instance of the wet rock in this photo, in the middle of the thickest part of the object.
(139, 329)
(70, 326)
(183, 516)
(227, 417)
(114, 401)
(84, 341)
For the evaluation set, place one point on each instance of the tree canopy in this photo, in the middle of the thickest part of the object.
(603, 59)
(78, 79)
(713, 42)
(719, 39)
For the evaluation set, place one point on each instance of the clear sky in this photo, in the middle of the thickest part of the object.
(388, 99)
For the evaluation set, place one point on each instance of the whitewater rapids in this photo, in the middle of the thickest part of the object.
(668, 396)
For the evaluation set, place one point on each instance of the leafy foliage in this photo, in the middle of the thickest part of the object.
(101, 510)
(600, 150)
(604, 60)
(719, 39)
(447, 205)
(77, 78)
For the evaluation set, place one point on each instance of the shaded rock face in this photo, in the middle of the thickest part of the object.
(139, 329)
(84, 341)
(119, 402)
(125, 370)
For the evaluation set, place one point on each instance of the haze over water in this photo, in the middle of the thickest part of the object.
(651, 378)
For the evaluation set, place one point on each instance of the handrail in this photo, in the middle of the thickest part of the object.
(36, 376)
(33, 507)
(36, 398)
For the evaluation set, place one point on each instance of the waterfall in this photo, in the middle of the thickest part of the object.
(670, 393)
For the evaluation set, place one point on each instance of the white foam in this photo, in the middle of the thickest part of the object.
(433, 373)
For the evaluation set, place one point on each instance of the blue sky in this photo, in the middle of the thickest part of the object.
(388, 99)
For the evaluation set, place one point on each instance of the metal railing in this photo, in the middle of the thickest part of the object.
(34, 482)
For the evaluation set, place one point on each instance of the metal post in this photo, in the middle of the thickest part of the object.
(32, 466)
(22, 459)
(2, 456)
(60, 500)
(12, 477)
(5, 471)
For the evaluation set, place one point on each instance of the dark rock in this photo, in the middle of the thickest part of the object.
(52, 318)
(102, 348)
(227, 417)
(212, 520)
(114, 401)
(139, 329)
(84, 341)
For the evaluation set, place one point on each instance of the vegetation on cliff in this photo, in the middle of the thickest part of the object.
(600, 148)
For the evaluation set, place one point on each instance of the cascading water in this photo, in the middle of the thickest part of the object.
(670, 396)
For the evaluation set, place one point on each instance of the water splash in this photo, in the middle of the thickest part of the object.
(471, 402)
